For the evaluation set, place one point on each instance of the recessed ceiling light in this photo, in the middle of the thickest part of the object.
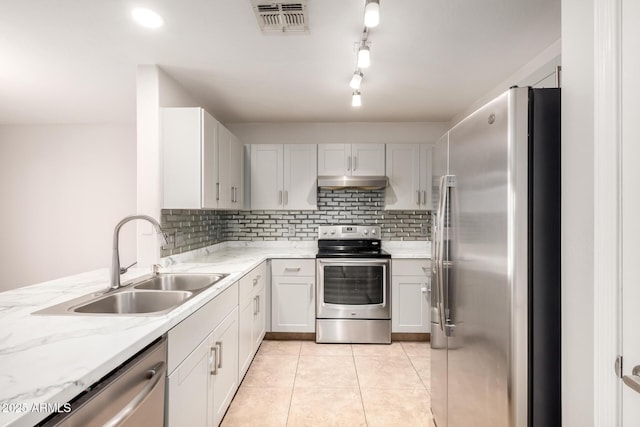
(147, 18)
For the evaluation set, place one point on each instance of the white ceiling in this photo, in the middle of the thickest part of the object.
(74, 61)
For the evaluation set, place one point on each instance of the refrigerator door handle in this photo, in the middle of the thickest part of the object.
(440, 252)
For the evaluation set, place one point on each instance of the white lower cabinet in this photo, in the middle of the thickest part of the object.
(252, 318)
(293, 297)
(203, 363)
(224, 375)
(410, 295)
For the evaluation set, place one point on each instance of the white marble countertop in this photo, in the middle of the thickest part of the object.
(408, 249)
(49, 359)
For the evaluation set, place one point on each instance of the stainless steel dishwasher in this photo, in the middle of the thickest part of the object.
(132, 395)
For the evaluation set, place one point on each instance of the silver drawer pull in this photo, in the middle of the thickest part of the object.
(214, 360)
(292, 269)
(256, 279)
(219, 353)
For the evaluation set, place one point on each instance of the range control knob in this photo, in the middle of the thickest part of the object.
(373, 231)
(365, 232)
(324, 232)
(333, 232)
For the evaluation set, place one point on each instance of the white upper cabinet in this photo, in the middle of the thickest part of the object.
(283, 176)
(351, 159)
(300, 177)
(200, 166)
(409, 172)
(236, 173)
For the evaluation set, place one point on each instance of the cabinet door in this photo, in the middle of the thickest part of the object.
(333, 159)
(209, 166)
(225, 378)
(181, 156)
(367, 159)
(410, 304)
(300, 176)
(224, 153)
(260, 318)
(236, 165)
(246, 315)
(426, 202)
(266, 176)
(293, 304)
(188, 397)
(403, 170)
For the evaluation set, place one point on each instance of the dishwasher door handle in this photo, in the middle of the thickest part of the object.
(155, 374)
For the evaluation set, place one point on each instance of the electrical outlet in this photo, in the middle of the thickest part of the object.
(424, 230)
(292, 230)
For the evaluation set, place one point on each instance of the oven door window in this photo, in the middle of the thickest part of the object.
(354, 285)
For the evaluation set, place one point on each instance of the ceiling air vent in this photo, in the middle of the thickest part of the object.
(275, 17)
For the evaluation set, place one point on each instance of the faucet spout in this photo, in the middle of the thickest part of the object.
(115, 262)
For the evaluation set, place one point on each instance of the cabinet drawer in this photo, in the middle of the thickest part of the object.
(253, 281)
(186, 335)
(293, 267)
(410, 267)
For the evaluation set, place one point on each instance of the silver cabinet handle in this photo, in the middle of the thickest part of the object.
(424, 197)
(633, 380)
(219, 354)
(418, 200)
(217, 191)
(292, 269)
(310, 292)
(280, 197)
(256, 279)
(355, 162)
(214, 352)
(155, 374)
(349, 163)
(255, 303)
(258, 304)
(286, 197)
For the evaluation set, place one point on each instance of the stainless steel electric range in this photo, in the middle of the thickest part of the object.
(353, 303)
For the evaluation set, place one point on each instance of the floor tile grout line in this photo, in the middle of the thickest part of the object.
(293, 387)
(355, 366)
(418, 373)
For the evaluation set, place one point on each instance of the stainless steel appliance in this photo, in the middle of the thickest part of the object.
(132, 395)
(353, 303)
(495, 331)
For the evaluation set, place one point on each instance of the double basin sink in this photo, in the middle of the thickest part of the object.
(151, 295)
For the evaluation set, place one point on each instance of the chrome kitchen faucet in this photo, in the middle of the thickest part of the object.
(115, 263)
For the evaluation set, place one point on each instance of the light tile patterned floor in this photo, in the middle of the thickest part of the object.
(301, 383)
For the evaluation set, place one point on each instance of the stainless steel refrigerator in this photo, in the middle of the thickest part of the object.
(495, 313)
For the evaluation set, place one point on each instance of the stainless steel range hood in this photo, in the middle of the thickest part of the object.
(359, 182)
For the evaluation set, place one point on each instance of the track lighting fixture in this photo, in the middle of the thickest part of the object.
(372, 13)
(356, 99)
(356, 80)
(364, 56)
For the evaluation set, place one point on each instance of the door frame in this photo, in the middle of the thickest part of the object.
(607, 211)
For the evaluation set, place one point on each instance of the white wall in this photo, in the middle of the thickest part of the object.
(577, 213)
(155, 89)
(325, 133)
(539, 72)
(63, 189)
